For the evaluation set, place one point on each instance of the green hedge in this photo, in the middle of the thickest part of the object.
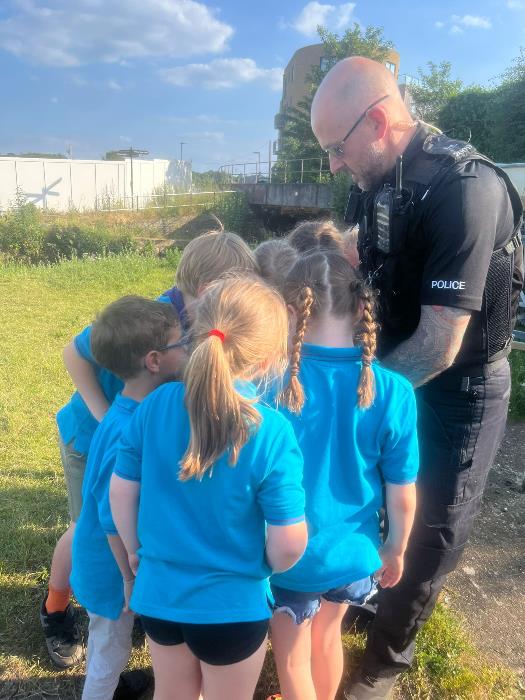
(26, 237)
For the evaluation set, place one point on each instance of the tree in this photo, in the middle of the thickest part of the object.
(32, 154)
(298, 140)
(436, 88)
(113, 155)
(509, 111)
(470, 116)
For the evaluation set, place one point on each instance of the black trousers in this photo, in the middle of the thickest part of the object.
(461, 421)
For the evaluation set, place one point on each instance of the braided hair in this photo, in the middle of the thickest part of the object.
(326, 281)
(293, 394)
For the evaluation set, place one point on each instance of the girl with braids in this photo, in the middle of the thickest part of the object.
(221, 502)
(356, 425)
(310, 236)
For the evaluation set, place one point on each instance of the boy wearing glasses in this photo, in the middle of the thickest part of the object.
(139, 341)
(206, 258)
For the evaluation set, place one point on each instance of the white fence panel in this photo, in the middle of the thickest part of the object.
(83, 184)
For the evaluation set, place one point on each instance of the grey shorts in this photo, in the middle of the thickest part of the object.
(74, 464)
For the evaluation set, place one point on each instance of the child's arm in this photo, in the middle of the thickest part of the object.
(124, 499)
(121, 557)
(85, 380)
(400, 506)
(285, 545)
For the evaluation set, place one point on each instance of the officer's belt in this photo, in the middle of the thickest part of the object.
(461, 379)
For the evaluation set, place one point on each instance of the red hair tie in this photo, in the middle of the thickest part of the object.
(218, 333)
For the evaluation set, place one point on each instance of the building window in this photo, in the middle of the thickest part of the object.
(293, 71)
(391, 66)
(324, 63)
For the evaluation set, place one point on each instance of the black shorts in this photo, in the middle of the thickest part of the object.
(218, 645)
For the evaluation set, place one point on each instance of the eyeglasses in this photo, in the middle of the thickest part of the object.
(181, 343)
(339, 150)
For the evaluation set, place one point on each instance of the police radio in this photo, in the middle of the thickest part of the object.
(391, 205)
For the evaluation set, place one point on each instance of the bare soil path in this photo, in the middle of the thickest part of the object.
(488, 588)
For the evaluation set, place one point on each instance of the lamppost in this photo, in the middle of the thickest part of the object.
(132, 153)
(258, 154)
(182, 143)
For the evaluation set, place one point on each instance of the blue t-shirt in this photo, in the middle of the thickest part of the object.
(347, 453)
(203, 542)
(96, 579)
(75, 421)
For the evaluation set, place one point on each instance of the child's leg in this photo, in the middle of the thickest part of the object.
(327, 649)
(177, 672)
(109, 647)
(235, 680)
(61, 569)
(74, 464)
(292, 648)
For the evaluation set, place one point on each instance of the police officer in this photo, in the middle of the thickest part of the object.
(438, 225)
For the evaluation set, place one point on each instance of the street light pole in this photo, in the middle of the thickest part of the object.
(182, 143)
(258, 154)
(132, 153)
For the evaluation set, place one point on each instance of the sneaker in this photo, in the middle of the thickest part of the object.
(132, 684)
(367, 687)
(62, 634)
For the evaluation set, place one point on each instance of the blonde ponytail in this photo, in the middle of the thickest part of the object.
(240, 327)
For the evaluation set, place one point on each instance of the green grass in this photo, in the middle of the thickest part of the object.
(517, 396)
(41, 308)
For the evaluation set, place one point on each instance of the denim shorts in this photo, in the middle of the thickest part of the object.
(74, 464)
(302, 606)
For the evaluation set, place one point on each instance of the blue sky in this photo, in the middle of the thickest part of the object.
(104, 74)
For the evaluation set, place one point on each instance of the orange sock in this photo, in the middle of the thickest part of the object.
(57, 600)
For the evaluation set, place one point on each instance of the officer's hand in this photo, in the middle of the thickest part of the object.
(392, 568)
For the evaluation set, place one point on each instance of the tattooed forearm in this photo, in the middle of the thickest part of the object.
(434, 345)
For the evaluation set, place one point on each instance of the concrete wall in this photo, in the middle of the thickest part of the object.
(314, 197)
(87, 184)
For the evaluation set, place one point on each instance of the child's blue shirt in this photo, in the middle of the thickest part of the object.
(202, 554)
(348, 452)
(75, 421)
(96, 579)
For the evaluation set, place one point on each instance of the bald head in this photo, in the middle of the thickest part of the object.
(353, 84)
(344, 96)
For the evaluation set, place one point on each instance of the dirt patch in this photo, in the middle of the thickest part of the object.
(488, 588)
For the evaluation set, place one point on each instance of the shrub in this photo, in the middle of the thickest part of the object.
(62, 241)
(21, 234)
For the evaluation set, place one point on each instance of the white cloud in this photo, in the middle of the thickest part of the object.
(515, 4)
(76, 32)
(458, 24)
(114, 85)
(204, 119)
(223, 73)
(472, 21)
(315, 13)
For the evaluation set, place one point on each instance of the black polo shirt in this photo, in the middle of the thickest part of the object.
(446, 258)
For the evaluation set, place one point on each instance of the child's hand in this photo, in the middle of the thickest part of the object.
(128, 590)
(392, 569)
(133, 560)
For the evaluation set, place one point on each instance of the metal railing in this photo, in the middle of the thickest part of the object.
(296, 170)
(162, 201)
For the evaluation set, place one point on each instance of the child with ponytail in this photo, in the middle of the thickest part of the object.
(207, 497)
(356, 425)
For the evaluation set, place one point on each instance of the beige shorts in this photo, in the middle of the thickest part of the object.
(74, 465)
